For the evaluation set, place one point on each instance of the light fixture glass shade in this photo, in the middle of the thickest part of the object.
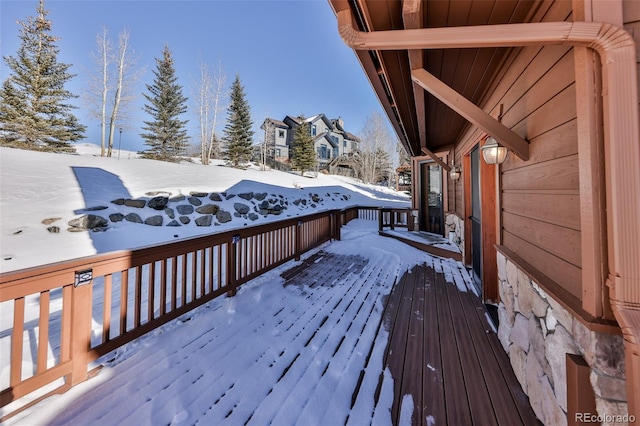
(454, 173)
(492, 152)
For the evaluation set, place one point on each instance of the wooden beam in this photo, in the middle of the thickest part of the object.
(437, 159)
(412, 18)
(471, 112)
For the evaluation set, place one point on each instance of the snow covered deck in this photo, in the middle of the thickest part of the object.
(366, 330)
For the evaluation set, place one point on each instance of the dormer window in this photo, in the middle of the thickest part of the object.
(313, 130)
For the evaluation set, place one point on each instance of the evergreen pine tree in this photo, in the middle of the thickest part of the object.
(238, 136)
(34, 112)
(303, 155)
(166, 134)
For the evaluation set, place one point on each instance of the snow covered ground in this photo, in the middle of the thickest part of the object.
(37, 186)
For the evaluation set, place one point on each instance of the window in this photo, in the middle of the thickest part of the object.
(335, 152)
(281, 133)
(344, 143)
(278, 152)
(313, 130)
(323, 152)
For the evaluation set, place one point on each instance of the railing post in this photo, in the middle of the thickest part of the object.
(380, 219)
(232, 260)
(336, 218)
(81, 301)
(298, 240)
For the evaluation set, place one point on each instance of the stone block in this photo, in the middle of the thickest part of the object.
(560, 314)
(502, 267)
(512, 273)
(537, 345)
(519, 333)
(534, 387)
(613, 413)
(607, 387)
(506, 297)
(524, 300)
(552, 413)
(609, 354)
(518, 359)
(504, 328)
(558, 344)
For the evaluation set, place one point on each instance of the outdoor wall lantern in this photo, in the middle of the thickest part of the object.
(492, 152)
(455, 172)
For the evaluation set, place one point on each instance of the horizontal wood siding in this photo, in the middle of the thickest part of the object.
(540, 197)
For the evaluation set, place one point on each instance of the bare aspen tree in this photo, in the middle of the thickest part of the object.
(372, 160)
(210, 92)
(127, 74)
(96, 95)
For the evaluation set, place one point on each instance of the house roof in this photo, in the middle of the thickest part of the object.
(419, 119)
(325, 136)
(274, 122)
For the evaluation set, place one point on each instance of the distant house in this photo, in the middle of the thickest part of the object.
(330, 139)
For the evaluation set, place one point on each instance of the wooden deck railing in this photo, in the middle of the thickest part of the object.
(88, 307)
(395, 218)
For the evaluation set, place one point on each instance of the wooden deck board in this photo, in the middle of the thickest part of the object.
(466, 376)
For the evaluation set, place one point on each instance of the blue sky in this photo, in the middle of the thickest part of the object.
(288, 54)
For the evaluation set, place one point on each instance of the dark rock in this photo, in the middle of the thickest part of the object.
(260, 196)
(241, 208)
(177, 198)
(99, 229)
(116, 217)
(246, 195)
(158, 203)
(264, 204)
(198, 194)
(228, 196)
(135, 203)
(88, 221)
(54, 229)
(208, 209)
(119, 201)
(315, 198)
(174, 223)
(204, 220)
(50, 220)
(169, 212)
(313, 206)
(132, 217)
(304, 202)
(236, 214)
(184, 220)
(253, 216)
(195, 201)
(154, 220)
(215, 197)
(277, 208)
(95, 209)
(297, 202)
(276, 212)
(185, 209)
(223, 216)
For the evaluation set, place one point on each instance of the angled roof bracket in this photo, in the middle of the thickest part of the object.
(471, 112)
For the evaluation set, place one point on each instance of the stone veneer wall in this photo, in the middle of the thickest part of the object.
(454, 227)
(537, 332)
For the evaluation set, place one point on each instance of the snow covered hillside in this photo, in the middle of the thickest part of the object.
(42, 192)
